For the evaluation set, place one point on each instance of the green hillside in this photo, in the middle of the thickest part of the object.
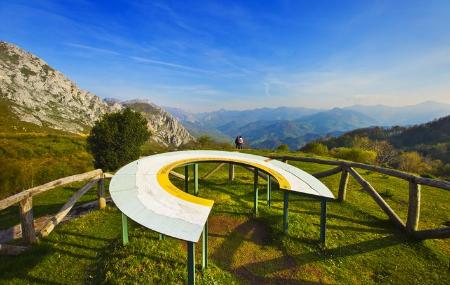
(431, 139)
(31, 155)
(362, 245)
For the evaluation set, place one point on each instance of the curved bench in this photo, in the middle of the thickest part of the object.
(143, 191)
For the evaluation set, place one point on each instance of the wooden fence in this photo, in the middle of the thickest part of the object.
(412, 221)
(27, 228)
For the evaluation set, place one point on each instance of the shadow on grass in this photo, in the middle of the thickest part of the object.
(256, 231)
(329, 254)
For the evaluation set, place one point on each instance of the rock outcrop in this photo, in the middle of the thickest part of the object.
(41, 95)
(165, 129)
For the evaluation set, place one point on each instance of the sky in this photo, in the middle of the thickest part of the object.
(209, 55)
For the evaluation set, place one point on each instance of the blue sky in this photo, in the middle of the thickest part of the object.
(207, 55)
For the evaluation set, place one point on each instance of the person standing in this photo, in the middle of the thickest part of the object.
(241, 142)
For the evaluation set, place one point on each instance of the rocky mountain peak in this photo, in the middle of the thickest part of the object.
(39, 94)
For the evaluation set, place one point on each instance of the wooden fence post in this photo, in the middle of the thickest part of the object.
(412, 222)
(343, 185)
(27, 220)
(230, 172)
(101, 192)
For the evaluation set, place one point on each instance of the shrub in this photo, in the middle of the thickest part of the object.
(116, 139)
(412, 161)
(355, 154)
(316, 148)
(283, 147)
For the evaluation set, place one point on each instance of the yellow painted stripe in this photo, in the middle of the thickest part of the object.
(166, 184)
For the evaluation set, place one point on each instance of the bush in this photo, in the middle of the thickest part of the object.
(116, 139)
(316, 148)
(355, 154)
(412, 162)
(283, 147)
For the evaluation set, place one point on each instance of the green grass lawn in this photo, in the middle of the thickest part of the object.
(362, 246)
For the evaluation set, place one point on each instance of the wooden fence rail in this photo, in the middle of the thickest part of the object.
(347, 167)
(25, 200)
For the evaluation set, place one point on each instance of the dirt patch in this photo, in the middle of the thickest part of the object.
(223, 225)
(245, 246)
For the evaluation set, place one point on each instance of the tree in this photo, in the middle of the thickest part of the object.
(116, 139)
(283, 147)
(205, 141)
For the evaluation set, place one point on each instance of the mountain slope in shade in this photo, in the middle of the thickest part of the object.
(36, 93)
(295, 133)
(337, 120)
(431, 139)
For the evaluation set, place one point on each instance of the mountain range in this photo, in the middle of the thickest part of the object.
(33, 92)
(295, 126)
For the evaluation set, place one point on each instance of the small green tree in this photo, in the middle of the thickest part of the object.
(205, 141)
(283, 147)
(117, 138)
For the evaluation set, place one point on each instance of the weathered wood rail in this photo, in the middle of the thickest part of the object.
(347, 168)
(28, 225)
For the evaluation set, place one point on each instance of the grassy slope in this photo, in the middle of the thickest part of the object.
(33, 155)
(362, 246)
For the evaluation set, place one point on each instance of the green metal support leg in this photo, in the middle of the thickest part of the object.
(255, 188)
(186, 179)
(124, 229)
(285, 212)
(191, 262)
(195, 178)
(205, 247)
(162, 237)
(269, 189)
(323, 220)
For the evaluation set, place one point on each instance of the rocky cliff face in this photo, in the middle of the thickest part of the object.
(41, 95)
(165, 129)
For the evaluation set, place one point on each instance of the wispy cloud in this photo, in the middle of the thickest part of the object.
(91, 48)
(168, 64)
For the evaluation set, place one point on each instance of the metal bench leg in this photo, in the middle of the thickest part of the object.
(205, 246)
(285, 212)
(124, 229)
(186, 179)
(191, 262)
(196, 178)
(323, 220)
(255, 188)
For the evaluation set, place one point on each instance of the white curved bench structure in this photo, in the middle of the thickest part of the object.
(143, 192)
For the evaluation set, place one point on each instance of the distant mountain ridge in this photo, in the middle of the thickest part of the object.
(405, 115)
(36, 93)
(264, 128)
